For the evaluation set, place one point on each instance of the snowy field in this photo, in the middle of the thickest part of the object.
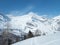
(52, 39)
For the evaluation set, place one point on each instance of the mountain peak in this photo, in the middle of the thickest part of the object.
(57, 17)
(31, 14)
(6, 18)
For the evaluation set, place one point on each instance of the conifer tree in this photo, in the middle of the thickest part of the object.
(30, 34)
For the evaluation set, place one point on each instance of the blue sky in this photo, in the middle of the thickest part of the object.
(42, 7)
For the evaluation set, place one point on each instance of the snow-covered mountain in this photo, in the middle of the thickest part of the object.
(56, 23)
(38, 25)
(3, 21)
(33, 22)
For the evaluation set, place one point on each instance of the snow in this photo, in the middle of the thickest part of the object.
(2, 22)
(56, 23)
(1, 17)
(32, 22)
(52, 39)
(19, 21)
(45, 25)
(39, 22)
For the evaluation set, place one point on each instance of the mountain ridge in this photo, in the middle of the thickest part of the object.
(33, 22)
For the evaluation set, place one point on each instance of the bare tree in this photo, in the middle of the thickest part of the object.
(38, 33)
(5, 33)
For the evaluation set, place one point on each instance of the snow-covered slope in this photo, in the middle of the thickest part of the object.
(56, 23)
(32, 22)
(52, 39)
(3, 21)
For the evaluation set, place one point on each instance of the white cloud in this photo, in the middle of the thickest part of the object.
(21, 12)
